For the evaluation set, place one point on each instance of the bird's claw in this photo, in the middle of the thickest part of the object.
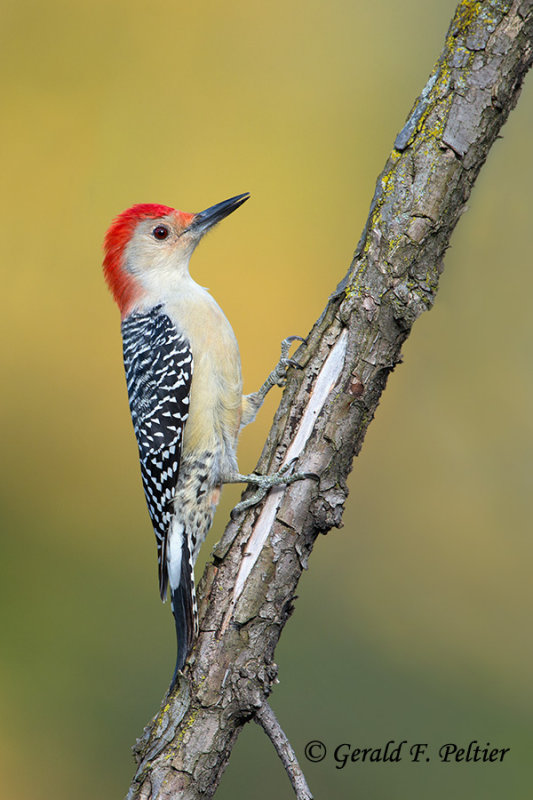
(285, 348)
(279, 373)
(266, 482)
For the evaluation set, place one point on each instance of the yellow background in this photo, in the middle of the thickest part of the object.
(414, 621)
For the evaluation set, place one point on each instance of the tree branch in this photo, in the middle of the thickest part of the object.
(267, 719)
(246, 593)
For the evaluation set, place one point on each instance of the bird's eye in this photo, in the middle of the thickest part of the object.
(160, 232)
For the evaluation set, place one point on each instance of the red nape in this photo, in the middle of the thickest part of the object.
(117, 237)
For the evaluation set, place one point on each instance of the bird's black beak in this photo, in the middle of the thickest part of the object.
(206, 219)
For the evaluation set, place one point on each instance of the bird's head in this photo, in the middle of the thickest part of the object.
(150, 245)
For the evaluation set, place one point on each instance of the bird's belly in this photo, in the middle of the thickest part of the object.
(214, 418)
(216, 389)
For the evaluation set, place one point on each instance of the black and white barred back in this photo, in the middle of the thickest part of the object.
(159, 365)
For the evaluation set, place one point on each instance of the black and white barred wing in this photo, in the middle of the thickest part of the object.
(158, 363)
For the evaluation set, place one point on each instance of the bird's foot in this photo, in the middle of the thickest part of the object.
(266, 482)
(278, 376)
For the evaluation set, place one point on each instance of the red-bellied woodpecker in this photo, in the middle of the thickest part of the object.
(184, 382)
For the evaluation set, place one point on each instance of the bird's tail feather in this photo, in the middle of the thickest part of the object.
(183, 601)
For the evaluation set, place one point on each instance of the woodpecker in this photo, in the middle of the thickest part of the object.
(183, 375)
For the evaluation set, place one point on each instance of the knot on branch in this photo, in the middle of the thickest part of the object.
(327, 510)
(252, 685)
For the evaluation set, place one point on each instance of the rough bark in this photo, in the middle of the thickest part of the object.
(246, 592)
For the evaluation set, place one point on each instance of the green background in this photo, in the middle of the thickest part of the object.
(413, 622)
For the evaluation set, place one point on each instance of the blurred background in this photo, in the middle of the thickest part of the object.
(413, 621)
